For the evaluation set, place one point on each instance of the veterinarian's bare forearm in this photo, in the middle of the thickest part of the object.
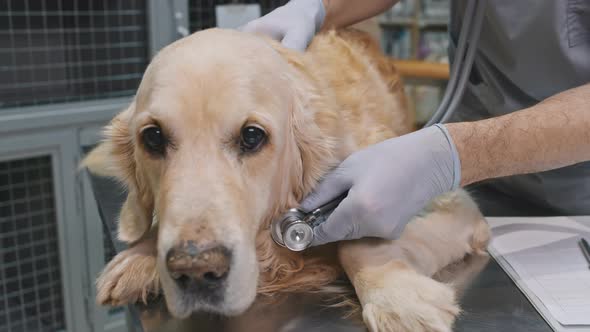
(342, 13)
(552, 134)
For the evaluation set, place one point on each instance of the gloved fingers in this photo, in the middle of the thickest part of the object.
(251, 27)
(259, 26)
(298, 39)
(330, 187)
(340, 225)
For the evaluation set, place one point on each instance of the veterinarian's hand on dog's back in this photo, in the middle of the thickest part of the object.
(388, 184)
(294, 24)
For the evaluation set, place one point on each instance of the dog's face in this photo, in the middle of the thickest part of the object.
(211, 148)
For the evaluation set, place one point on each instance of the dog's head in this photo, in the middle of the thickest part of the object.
(221, 137)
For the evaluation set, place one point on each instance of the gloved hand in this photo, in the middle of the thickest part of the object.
(388, 183)
(294, 24)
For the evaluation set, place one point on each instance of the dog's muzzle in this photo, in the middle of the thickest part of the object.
(200, 271)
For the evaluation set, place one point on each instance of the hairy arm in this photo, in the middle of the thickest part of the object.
(552, 134)
(342, 13)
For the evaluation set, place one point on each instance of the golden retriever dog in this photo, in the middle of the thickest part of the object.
(228, 131)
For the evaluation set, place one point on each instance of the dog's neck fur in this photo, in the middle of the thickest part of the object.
(320, 146)
(326, 102)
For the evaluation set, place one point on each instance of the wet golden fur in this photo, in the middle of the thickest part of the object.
(319, 107)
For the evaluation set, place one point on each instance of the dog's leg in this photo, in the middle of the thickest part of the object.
(130, 276)
(393, 278)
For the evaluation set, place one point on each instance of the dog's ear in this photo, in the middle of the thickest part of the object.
(315, 144)
(136, 216)
(313, 124)
(115, 157)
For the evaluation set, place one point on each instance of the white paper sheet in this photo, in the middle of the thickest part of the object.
(543, 257)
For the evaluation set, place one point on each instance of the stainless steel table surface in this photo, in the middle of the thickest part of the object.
(489, 299)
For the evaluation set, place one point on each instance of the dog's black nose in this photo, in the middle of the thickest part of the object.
(198, 270)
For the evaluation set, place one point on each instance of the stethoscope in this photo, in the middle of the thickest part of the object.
(294, 230)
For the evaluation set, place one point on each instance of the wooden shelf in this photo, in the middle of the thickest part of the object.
(422, 69)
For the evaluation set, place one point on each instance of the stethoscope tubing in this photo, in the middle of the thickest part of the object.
(464, 58)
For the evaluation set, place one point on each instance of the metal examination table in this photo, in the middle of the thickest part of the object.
(489, 299)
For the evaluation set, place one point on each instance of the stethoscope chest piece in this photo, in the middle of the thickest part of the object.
(295, 229)
(292, 231)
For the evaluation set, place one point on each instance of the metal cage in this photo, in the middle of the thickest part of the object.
(70, 50)
(30, 282)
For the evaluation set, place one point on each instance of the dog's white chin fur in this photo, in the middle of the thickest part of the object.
(240, 291)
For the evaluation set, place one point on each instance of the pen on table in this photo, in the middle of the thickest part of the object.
(585, 249)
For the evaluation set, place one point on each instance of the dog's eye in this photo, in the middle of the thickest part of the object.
(154, 140)
(252, 138)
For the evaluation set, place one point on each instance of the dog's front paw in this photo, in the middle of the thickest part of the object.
(130, 277)
(402, 300)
